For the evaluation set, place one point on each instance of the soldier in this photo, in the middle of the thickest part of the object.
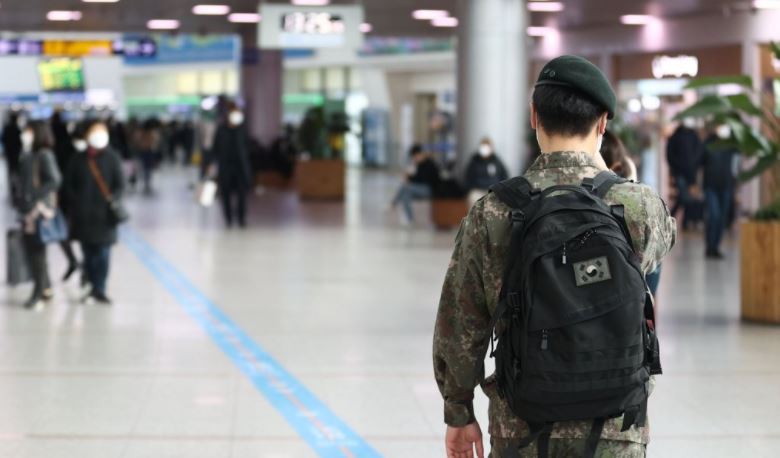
(571, 105)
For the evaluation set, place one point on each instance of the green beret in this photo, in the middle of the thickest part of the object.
(578, 73)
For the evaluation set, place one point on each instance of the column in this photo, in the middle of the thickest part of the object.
(261, 87)
(492, 79)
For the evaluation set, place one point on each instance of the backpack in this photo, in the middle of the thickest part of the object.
(572, 333)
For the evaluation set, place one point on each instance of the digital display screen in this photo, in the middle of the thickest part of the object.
(61, 75)
(312, 23)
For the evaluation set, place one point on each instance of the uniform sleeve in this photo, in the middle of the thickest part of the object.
(654, 232)
(462, 329)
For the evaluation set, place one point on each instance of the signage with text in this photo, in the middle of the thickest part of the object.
(675, 66)
(296, 27)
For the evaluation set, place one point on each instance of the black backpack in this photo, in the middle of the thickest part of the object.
(572, 333)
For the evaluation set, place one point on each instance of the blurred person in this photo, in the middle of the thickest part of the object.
(571, 105)
(719, 183)
(187, 141)
(284, 152)
(12, 148)
(64, 151)
(117, 131)
(420, 181)
(91, 176)
(683, 153)
(206, 130)
(231, 159)
(39, 180)
(484, 170)
(147, 141)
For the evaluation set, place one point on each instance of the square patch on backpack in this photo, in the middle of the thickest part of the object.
(592, 271)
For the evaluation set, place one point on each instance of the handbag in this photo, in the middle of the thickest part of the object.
(207, 193)
(52, 230)
(117, 214)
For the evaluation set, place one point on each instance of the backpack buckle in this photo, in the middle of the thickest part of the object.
(518, 216)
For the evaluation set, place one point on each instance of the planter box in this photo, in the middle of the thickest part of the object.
(320, 179)
(272, 180)
(448, 213)
(760, 271)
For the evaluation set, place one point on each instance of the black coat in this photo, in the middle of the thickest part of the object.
(89, 212)
(231, 155)
(718, 165)
(482, 173)
(12, 145)
(683, 153)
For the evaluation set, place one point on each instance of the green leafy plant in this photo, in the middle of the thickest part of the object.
(755, 130)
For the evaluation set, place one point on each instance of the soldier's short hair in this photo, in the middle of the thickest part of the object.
(565, 111)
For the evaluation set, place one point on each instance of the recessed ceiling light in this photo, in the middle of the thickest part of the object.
(100, 1)
(546, 7)
(637, 19)
(366, 27)
(426, 15)
(210, 10)
(163, 24)
(311, 2)
(766, 4)
(444, 22)
(536, 31)
(244, 18)
(62, 15)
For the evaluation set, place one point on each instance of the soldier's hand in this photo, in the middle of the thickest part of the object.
(461, 442)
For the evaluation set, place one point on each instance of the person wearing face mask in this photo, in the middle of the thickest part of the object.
(718, 162)
(231, 159)
(39, 179)
(93, 180)
(484, 170)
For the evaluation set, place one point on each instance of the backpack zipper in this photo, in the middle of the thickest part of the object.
(581, 239)
(545, 343)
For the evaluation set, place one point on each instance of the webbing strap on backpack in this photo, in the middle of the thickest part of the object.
(602, 183)
(515, 193)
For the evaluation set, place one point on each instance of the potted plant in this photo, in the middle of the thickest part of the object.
(755, 133)
(320, 173)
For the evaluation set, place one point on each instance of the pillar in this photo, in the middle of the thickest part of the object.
(261, 88)
(492, 79)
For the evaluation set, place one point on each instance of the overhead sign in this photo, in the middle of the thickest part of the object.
(181, 49)
(675, 66)
(137, 47)
(61, 75)
(78, 48)
(296, 27)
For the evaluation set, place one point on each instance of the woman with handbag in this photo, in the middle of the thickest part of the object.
(39, 179)
(94, 185)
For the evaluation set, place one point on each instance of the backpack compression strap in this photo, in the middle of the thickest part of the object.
(602, 183)
(516, 192)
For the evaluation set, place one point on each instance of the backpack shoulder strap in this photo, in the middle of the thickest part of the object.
(602, 183)
(515, 192)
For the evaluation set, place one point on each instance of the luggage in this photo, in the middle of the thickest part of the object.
(207, 192)
(17, 270)
(573, 339)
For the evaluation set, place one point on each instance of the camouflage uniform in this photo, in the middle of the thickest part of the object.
(470, 296)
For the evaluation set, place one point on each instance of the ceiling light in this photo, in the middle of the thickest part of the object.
(444, 22)
(62, 15)
(637, 19)
(366, 27)
(100, 1)
(547, 7)
(426, 15)
(766, 4)
(210, 10)
(163, 24)
(244, 18)
(536, 31)
(311, 2)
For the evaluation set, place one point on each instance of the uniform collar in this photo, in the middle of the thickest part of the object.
(563, 159)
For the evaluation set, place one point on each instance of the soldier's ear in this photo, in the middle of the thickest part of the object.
(534, 121)
(602, 124)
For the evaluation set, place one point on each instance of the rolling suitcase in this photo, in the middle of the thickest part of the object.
(17, 270)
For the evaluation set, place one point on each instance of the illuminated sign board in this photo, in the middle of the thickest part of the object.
(135, 47)
(675, 66)
(61, 75)
(78, 48)
(297, 27)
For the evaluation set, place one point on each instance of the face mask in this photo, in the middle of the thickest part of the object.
(80, 145)
(98, 139)
(723, 132)
(27, 140)
(485, 150)
(236, 118)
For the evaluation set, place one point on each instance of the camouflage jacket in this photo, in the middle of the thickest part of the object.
(473, 282)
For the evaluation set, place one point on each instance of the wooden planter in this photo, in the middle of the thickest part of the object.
(448, 213)
(272, 179)
(760, 271)
(320, 179)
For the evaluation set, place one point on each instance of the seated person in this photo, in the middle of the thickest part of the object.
(419, 183)
(484, 170)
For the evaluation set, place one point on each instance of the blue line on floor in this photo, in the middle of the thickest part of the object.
(328, 435)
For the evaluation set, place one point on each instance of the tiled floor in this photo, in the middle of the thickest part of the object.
(346, 303)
